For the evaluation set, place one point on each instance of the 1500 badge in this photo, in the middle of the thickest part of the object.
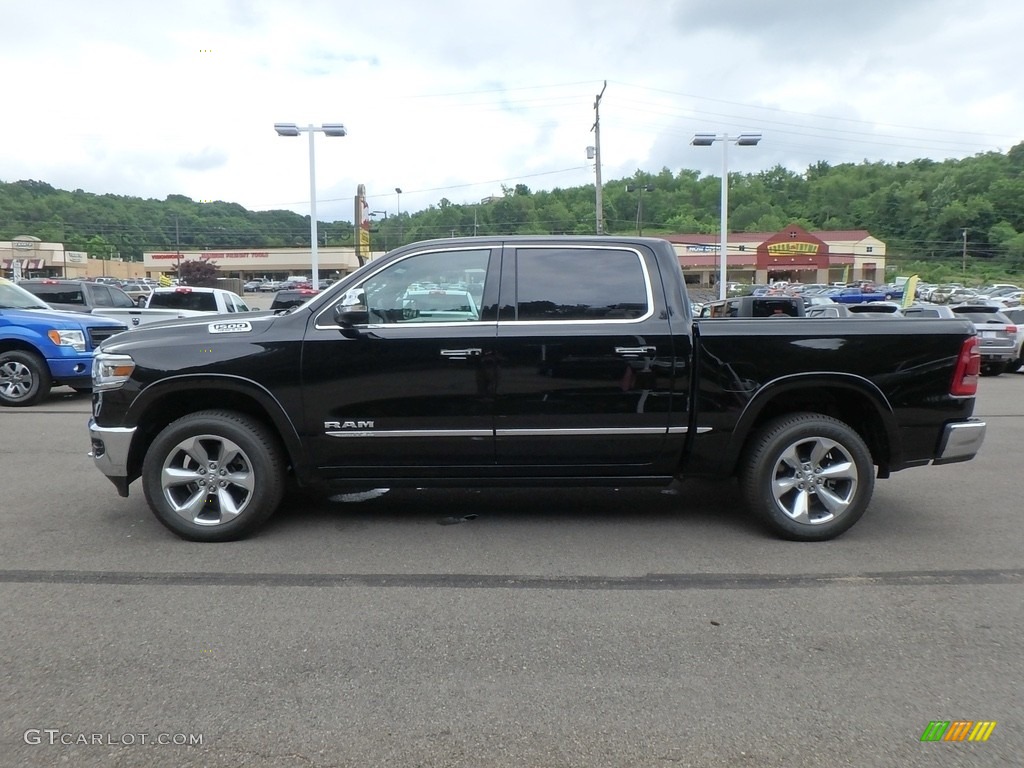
(237, 326)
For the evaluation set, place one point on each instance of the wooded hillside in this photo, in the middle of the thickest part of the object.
(921, 209)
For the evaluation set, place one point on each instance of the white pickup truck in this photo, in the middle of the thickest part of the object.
(178, 302)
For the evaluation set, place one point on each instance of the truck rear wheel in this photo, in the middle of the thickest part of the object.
(213, 476)
(809, 477)
(24, 379)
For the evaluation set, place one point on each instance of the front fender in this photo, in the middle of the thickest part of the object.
(162, 402)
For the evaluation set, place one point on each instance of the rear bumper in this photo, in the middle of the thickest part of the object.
(960, 441)
(998, 355)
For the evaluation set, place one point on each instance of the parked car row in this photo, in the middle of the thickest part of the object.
(263, 285)
(1000, 330)
(143, 305)
(1005, 294)
(77, 295)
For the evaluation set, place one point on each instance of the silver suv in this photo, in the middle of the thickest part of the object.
(997, 334)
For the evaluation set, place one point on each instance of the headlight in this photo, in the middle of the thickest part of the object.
(74, 339)
(110, 371)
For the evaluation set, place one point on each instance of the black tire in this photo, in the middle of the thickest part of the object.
(24, 379)
(809, 477)
(992, 369)
(247, 488)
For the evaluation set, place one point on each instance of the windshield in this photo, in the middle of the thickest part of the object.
(15, 297)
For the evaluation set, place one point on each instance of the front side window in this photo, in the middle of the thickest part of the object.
(101, 296)
(436, 287)
(119, 298)
(580, 284)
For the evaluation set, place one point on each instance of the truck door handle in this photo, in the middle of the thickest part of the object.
(636, 351)
(461, 354)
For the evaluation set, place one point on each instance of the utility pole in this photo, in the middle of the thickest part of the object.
(963, 257)
(596, 128)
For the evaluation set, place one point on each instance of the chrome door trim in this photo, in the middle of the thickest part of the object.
(581, 432)
(410, 433)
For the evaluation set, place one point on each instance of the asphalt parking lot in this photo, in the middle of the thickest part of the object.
(508, 628)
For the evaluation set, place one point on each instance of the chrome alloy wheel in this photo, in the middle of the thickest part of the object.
(16, 380)
(815, 480)
(207, 480)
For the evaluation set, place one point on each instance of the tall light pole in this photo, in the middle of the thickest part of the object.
(742, 140)
(398, 196)
(328, 129)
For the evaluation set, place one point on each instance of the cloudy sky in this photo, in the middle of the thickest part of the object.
(454, 99)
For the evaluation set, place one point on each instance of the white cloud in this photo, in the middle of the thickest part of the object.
(453, 98)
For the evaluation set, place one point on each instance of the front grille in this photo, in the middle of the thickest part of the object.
(100, 333)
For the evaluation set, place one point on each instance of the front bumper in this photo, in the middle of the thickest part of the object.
(110, 448)
(74, 369)
(961, 441)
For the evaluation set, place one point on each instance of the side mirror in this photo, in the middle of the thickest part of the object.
(349, 317)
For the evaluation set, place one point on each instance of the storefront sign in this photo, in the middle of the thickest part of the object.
(790, 248)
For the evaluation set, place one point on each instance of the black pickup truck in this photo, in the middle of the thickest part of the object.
(526, 360)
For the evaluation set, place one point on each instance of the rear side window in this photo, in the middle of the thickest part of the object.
(580, 284)
(56, 294)
(190, 300)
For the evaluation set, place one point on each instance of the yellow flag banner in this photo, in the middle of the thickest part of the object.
(909, 291)
(165, 281)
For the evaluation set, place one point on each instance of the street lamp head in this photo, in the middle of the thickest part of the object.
(748, 139)
(398, 190)
(703, 139)
(286, 129)
(333, 129)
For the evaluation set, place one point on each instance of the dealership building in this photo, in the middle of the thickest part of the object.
(792, 254)
(271, 263)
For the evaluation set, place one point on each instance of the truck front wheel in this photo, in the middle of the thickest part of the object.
(213, 476)
(24, 378)
(809, 477)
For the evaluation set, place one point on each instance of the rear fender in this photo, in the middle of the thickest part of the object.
(841, 395)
